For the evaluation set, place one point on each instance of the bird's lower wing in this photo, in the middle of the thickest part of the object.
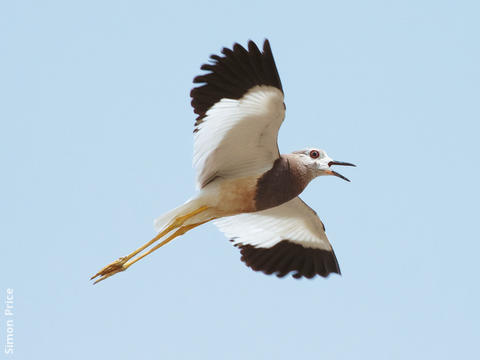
(287, 238)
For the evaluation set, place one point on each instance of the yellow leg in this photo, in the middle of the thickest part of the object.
(177, 233)
(118, 265)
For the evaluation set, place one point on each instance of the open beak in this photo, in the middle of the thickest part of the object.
(331, 172)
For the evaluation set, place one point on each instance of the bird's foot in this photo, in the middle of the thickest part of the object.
(111, 269)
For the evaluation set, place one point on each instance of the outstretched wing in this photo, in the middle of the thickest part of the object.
(286, 238)
(240, 109)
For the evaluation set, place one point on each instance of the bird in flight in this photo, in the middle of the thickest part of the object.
(246, 187)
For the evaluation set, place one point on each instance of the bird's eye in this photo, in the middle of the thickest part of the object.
(314, 154)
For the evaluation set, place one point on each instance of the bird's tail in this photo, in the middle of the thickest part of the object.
(189, 207)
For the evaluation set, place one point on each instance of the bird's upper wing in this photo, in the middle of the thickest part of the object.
(240, 109)
(286, 238)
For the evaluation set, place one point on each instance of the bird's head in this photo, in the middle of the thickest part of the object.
(320, 163)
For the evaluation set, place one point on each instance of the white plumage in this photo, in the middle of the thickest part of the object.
(238, 138)
(294, 221)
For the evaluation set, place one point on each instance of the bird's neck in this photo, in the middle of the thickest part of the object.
(285, 180)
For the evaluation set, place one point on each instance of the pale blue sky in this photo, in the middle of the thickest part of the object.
(96, 141)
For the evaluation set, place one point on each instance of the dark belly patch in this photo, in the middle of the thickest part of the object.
(284, 181)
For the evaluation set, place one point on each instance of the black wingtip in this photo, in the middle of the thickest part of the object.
(286, 257)
(233, 73)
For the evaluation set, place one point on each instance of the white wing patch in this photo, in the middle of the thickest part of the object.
(294, 221)
(239, 137)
